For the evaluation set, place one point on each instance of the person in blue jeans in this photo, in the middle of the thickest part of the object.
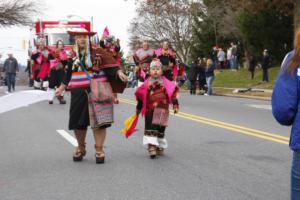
(10, 68)
(286, 108)
(210, 76)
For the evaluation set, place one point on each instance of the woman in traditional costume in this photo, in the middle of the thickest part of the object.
(142, 59)
(86, 73)
(168, 60)
(57, 70)
(41, 65)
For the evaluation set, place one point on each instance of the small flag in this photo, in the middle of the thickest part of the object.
(130, 125)
(105, 32)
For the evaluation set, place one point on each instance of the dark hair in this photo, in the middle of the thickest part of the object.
(60, 40)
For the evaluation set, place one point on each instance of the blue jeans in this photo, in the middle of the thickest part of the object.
(209, 81)
(295, 177)
(11, 80)
(265, 75)
(233, 63)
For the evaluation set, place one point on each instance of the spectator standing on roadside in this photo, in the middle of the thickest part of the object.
(214, 55)
(265, 64)
(131, 78)
(233, 57)
(210, 76)
(228, 57)
(192, 76)
(11, 67)
(221, 58)
(201, 75)
(252, 65)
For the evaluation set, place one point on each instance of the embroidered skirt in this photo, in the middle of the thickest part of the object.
(79, 110)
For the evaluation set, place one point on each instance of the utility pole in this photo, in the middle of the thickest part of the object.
(92, 23)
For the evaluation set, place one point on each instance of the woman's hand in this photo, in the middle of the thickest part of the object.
(59, 91)
(122, 76)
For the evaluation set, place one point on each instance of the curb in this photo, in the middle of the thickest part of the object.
(237, 95)
(245, 96)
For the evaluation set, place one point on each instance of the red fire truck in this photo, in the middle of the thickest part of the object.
(55, 30)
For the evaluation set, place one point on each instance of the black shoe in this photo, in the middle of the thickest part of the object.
(100, 157)
(62, 102)
(79, 154)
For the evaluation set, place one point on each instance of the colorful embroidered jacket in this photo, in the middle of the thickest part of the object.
(165, 93)
(76, 74)
(41, 62)
(60, 60)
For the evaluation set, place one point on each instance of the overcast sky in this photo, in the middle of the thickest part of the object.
(115, 14)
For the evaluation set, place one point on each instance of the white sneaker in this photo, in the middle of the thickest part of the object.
(205, 94)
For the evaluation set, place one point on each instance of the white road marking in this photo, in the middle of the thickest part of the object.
(21, 99)
(266, 107)
(68, 137)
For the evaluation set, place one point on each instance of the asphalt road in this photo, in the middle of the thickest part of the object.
(219, 148)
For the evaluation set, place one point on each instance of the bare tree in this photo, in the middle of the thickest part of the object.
(17, 12)
(164, 20)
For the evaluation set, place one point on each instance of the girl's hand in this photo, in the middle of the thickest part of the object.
(122, 76)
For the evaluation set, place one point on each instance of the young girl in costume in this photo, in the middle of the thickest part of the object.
(154, 97)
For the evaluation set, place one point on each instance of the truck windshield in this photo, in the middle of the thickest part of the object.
(65, 37)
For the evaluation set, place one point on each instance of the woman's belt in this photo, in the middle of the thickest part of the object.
(81, 80)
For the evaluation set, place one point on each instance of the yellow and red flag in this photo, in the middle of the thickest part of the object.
(130, 125)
